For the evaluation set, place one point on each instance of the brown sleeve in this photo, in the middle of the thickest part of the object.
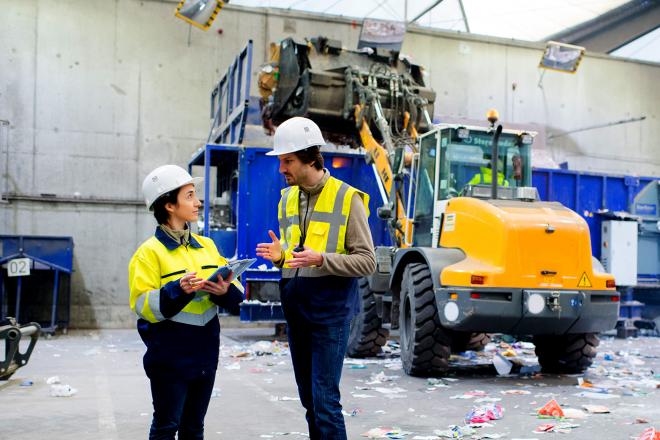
(361, 259)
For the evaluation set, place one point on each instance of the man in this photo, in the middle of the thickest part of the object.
(325, 246)
(485, 176)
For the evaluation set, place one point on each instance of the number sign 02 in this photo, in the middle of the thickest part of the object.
(18, 267)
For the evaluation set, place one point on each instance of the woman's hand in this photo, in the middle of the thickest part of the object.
(270, 251)
(220, 288)
(190, 283)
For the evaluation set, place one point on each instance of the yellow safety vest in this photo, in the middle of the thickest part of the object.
(327, 225)
(486, 176)
(153, 265)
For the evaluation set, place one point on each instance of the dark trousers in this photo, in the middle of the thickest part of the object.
(180, 406)
(317, 353)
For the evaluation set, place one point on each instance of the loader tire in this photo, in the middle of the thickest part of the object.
(367, 335)
(465, 341)
(566, 354)
(425, 345)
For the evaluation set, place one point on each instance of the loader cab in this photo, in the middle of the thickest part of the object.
(455, 160)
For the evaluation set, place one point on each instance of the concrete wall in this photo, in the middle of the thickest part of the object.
(98, 93)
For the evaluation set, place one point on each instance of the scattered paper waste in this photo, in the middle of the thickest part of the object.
(596, 409)
(389, 433)
(574, 413)
(256, 349)
(649, 434)
(455, 431)
(551, 409)
(599, 396)
(283, 398)
(378, 378)
(484, 413)
(502, 365)
(564, 428)
(487, 400)
(516, 392)
(62, 390)
(52, 380)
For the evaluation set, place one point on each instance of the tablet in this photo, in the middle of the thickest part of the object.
(235, 267)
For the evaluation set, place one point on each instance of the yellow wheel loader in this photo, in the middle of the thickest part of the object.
(474, 249)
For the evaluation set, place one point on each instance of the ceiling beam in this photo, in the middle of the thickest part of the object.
(615, 28)
(420, 15)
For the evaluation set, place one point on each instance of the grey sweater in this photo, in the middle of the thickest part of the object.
(360, 260)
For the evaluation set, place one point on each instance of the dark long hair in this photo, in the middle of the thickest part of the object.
(311, 155)
(160, 212)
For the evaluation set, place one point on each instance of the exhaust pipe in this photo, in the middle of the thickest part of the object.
(493, 162)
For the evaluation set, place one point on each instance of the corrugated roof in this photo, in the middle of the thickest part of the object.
(530, 20)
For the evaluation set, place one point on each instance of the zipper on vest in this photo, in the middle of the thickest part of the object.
(303, 229)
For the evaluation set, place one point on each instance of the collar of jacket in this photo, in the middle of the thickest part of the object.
(171, 243)
(316, 189)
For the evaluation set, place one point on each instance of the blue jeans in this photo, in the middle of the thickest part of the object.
(317, 353)
(180, 406)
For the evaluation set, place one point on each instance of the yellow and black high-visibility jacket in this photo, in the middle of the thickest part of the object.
(326, 299)
(181, 330)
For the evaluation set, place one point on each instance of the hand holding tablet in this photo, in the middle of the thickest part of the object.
(233, 270)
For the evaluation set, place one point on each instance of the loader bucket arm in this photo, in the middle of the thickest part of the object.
(12, 333)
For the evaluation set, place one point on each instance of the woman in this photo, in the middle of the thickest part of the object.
(177, 306)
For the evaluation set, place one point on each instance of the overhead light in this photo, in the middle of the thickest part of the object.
(199, 13)
(561, 57)
(526, 139)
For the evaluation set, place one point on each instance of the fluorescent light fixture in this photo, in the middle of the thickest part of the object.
(199, 13)
(561, 57)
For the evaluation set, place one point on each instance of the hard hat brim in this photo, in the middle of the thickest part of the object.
(280, 153)
(196, 181)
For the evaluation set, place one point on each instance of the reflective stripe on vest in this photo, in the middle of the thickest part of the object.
(327, 222)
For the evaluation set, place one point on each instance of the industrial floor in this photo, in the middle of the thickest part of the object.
(255, 395)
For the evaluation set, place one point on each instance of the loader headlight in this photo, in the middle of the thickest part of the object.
(526, 139)
(535, 303)
(463, 133)
(451, 311)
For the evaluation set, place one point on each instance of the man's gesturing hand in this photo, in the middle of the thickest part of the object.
(308, 257)
(270, 251)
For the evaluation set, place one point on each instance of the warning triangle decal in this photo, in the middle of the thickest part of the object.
(584, 281)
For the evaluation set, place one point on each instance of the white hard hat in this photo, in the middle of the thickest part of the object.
(296, 134)
(163, 180)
